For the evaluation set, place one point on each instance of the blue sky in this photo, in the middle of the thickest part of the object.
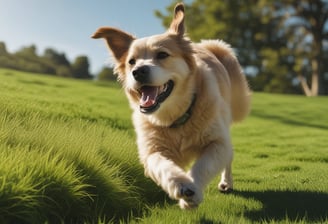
(66, 25)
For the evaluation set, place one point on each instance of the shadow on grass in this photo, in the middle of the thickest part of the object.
(287, 120)
(40, 83)
(294, 205)
(34, 82)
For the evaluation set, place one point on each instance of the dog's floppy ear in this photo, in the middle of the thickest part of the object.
(177, 24)
(117, 40)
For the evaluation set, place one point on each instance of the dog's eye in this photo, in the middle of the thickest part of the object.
(132, 61)
(162, 55)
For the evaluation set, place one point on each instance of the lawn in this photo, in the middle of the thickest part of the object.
(68, 155)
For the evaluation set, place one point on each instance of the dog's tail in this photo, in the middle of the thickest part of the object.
(240, 92)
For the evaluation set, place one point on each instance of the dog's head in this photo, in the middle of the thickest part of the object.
(154, 70)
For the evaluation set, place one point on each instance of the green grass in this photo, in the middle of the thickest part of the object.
(68, 154)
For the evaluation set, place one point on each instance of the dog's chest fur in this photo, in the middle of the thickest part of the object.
(181, 144)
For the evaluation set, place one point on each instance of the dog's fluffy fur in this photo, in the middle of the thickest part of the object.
(208, 83)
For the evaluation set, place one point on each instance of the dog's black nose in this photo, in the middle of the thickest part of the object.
(141, 74)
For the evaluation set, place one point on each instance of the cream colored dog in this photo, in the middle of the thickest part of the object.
(184, 98)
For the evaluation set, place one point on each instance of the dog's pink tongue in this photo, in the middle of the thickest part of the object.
(148, 96)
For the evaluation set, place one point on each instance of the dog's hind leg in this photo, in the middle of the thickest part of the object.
(226, 183)
(173, 179)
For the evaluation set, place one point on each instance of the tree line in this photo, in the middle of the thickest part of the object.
(50, 62)
(282, 44)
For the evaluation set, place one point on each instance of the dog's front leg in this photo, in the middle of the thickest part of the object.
(173, 179)
(216, 157)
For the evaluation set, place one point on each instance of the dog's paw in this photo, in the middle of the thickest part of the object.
(191, 201)
(187, 204)
(190, 196)
(184, 190)
(225, 187)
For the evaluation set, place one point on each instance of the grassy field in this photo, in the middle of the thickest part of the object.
(68, 155)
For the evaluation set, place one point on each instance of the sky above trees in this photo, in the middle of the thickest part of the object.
(67, 25)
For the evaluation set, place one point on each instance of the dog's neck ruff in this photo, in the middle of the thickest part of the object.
(185, 117)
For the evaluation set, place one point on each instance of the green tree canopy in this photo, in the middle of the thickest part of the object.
(306, 30)
(80, 67)
(51, 62)
(266, 35)
(106, 74)
(3, 49)
(56, 57)
(29, 51)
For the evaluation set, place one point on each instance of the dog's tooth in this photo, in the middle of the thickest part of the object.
(164, 87)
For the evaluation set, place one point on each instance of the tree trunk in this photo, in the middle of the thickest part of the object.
(304, 85)
(315, 83)
(315, 77)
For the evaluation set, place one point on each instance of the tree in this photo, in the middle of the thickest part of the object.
(234, 21)
(27, 59)
(106, 74)
(59, 61)
(301, 25)
(80, 68)
(63, 71)
(28, 52)
(51, 62)
(264, 38)
(305, 21)
(3, 49)
(241, 24)
(55, 57)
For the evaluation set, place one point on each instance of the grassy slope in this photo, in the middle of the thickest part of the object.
(280, 167)
(67, 151)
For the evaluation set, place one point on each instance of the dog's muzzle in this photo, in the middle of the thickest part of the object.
(151, 97)
(142, 74)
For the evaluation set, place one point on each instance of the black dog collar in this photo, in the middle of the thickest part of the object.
(185, 117)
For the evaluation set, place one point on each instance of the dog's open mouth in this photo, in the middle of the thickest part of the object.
(153, 96)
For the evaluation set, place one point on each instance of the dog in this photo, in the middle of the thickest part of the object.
(184, 98)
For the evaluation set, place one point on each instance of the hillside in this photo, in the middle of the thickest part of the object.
(68, 155)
